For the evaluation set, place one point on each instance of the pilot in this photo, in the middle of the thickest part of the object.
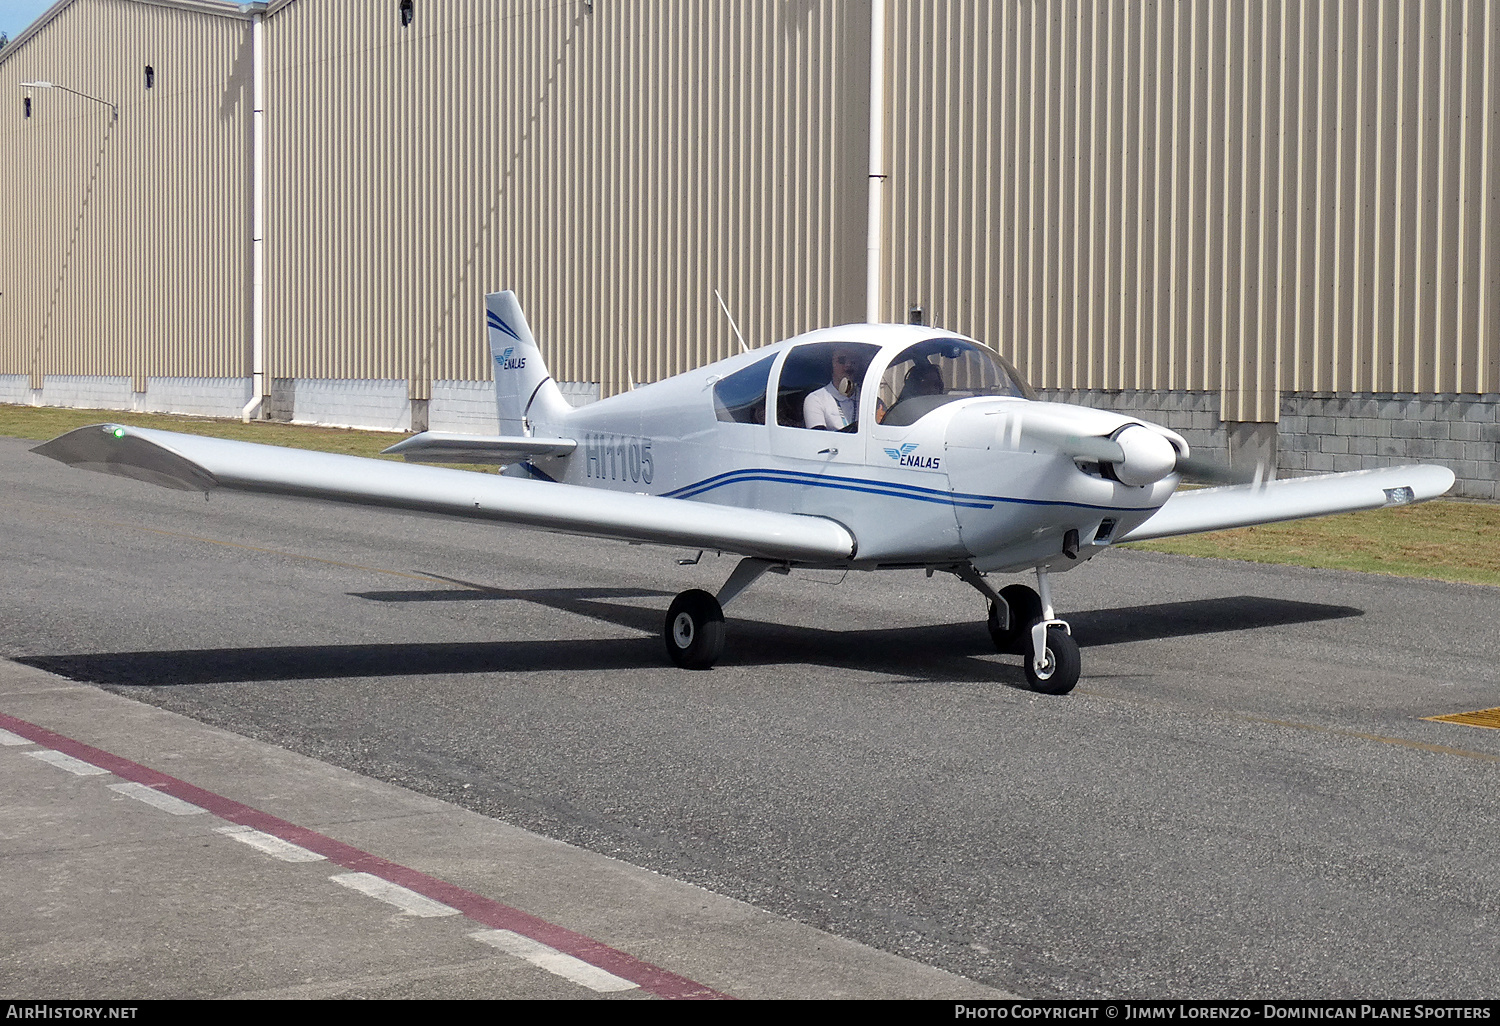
(834, 406)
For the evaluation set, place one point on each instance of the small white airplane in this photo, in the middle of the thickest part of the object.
(863, 447)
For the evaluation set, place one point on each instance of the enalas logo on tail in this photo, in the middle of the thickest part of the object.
(504, 361)
(906, 456)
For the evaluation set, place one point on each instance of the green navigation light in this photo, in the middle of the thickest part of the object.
(119, 432)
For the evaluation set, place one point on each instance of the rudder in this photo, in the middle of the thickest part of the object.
(525, 394)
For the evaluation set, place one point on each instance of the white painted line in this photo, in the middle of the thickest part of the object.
(554, 961)
(67, 762)
(272, 845)
(157, 800)
(11, 740)
(408, 901)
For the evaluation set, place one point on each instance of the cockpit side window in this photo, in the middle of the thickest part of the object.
(937, 371)
(741, 397)
(820, 385)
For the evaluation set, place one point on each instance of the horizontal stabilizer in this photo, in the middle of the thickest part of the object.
(193, 462)
(1215, 509)
(447, 447)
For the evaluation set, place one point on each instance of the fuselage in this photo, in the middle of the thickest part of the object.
(927, 476)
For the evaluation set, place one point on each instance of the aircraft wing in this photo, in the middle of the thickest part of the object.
(447, 447)
(196, 463)
(1213, 509)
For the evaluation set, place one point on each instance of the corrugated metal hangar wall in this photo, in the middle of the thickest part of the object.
(1269, 223)
(126, 246)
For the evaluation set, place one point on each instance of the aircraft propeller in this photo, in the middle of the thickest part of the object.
(1134, 454)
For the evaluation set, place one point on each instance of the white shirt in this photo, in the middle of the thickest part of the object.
(828, 408)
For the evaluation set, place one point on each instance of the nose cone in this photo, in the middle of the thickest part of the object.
(1149, 457)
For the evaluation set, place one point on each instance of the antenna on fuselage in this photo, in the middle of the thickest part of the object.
(743, 348)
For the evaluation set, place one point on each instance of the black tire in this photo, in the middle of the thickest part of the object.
(1025, 610)
(694, 631)
(1063, 664)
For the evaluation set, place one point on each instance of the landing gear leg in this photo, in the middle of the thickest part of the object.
(1022, 622)
(694, 631)
(1052, 662)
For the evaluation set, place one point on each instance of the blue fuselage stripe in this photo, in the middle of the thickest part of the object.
(889, 488)
(839, 484)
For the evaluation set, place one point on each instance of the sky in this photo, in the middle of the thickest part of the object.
(17, 15)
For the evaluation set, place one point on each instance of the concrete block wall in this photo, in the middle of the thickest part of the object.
(376, 404)
(84, 392)
(197, 397)
(579, 393)
(467, 407)
(463, 406)
(1331, 432)
(15, 389)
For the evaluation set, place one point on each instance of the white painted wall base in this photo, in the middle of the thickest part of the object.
(375, 404)
(15, 389)
(197, 397)
(84, 393)
(469, 406)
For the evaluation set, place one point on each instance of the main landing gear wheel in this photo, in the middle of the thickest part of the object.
(1060, 665)
(694, 630)
(1025, 610)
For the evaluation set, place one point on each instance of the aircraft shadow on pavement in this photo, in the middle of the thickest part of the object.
(939, 653)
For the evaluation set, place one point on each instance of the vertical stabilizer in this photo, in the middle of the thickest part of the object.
(525, 394)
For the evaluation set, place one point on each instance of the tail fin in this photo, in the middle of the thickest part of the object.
(525, 393)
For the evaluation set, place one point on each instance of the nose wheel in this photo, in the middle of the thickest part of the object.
(1055, 672)
(1022, 622)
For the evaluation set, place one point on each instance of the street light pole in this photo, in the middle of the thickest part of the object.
(114, 108)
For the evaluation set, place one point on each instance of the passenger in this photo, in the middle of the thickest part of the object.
(834, 406)
(923, 379)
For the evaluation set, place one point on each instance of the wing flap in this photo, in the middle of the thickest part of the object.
(1215, 509)
(197, 463)
(449, 447)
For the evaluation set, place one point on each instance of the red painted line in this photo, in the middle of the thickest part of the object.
(475, 906)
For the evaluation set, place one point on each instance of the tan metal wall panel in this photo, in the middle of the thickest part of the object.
(1245, 197)
(613, 167)
(127, 241)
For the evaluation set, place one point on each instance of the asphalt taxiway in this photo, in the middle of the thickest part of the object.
(1243, 797)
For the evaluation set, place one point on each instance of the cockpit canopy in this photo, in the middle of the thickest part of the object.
(937, 371)
(922, 377)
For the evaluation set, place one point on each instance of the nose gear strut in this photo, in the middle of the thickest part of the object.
(1023, 622)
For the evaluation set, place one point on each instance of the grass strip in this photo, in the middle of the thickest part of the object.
(1442, 539)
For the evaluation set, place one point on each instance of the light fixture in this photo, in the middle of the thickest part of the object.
(43, 84)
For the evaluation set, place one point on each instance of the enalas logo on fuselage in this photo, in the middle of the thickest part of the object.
(907, 456)
(504, 361)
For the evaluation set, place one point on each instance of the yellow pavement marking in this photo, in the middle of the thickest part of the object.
(1478, 718)
(1401, 741)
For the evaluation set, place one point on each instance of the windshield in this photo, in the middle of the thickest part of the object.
(938, 371)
